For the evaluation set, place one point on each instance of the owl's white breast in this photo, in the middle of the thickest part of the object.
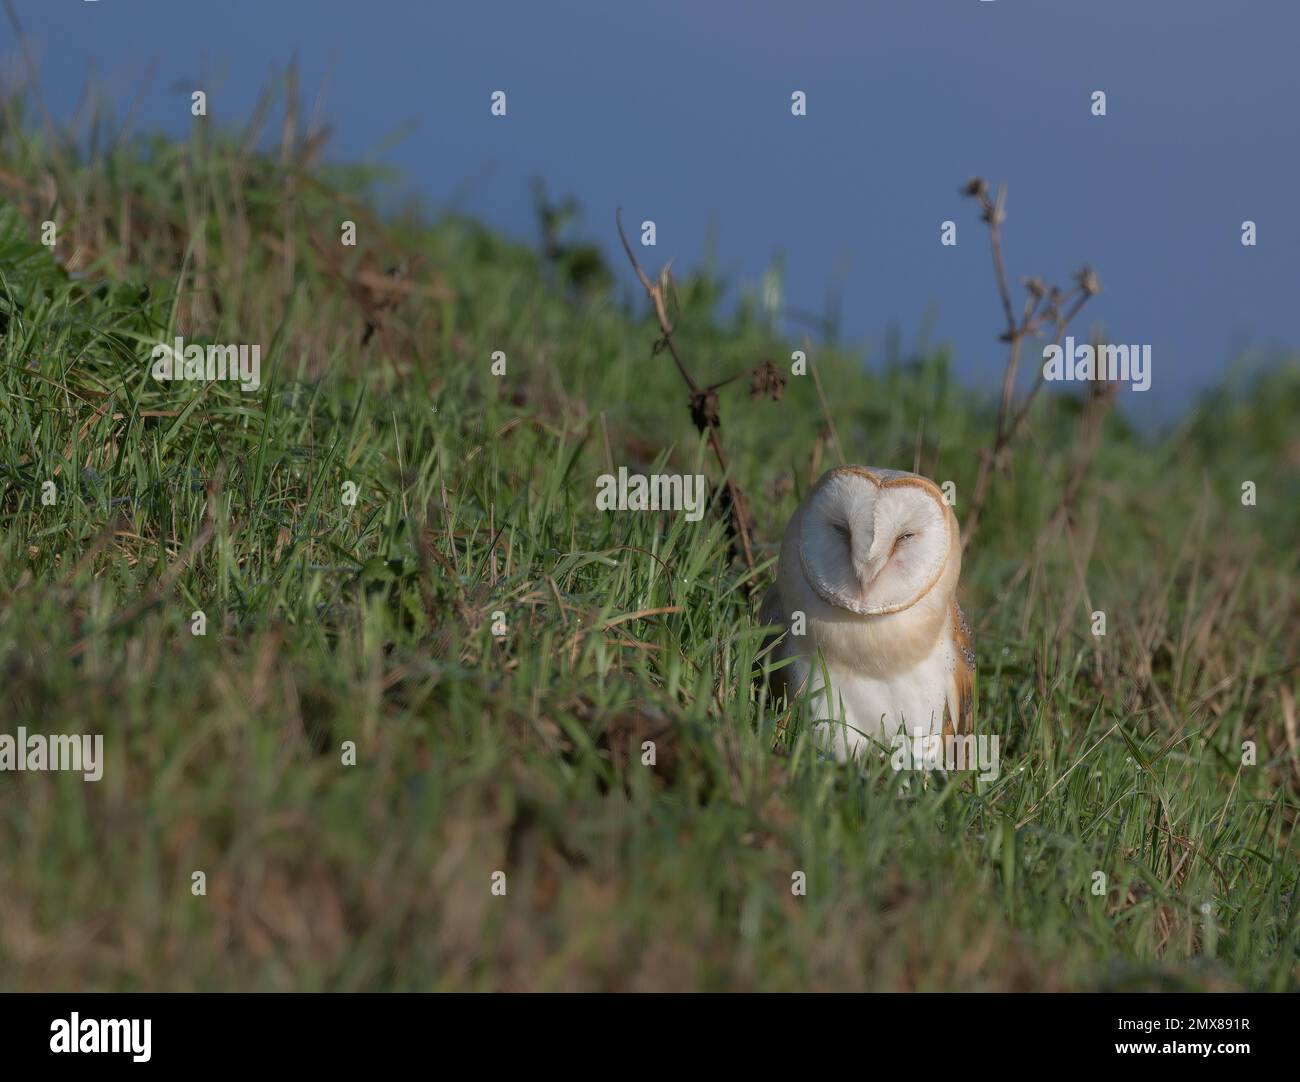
(859, 708)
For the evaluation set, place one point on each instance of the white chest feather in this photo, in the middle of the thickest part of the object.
(858, 708)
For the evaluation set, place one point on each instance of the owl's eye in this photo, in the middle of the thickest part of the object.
(899, 540)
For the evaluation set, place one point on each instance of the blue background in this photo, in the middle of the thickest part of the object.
(680, 112)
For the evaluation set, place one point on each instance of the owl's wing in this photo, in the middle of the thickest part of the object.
(961, 696)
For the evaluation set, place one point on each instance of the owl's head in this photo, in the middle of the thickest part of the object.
(876, 541)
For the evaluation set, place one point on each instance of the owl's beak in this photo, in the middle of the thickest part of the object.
(870, 564)
(870, 570)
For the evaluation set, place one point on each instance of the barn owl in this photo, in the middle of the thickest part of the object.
(868, 572)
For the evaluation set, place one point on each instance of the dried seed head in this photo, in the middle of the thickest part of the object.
(704, 409)
(1088, 281)
(767, 380)
(976, 187)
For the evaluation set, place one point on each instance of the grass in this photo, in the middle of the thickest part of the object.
(521, 752)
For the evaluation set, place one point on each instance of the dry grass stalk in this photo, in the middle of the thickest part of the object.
(1045, 307)
(766, 379)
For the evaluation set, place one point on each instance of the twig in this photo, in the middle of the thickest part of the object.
(703, 403)
(1043, 306)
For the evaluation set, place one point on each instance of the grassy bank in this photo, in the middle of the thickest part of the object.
(520, 752)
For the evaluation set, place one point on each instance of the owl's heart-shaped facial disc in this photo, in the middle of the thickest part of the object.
(874, 541)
